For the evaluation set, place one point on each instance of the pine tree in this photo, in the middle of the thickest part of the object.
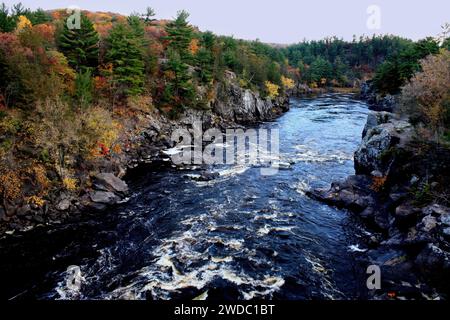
(205, 62)
(134, 21)
(148, 16)
(179, 91)
(39, 16)
(84, 88)
(7, 22)
(80, 46)
(180, 35)
(125, 53)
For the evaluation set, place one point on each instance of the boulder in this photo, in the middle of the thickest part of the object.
(445, 219)
(63, 204)
(382, 132)
(434, 261)
(436, 209)
(24, 210)
(375, 119)
(109, 182)
(406, 215)
(428, 223)
(104, 197)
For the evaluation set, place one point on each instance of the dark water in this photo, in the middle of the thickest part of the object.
(240, 236)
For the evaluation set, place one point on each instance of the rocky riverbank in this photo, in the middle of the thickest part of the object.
(400, 194)
(233, 106)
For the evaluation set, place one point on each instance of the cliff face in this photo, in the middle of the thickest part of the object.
(400, 192)
(233, 106)
(245, 106)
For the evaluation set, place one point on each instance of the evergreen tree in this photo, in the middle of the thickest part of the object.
(7, 22)
(125, 53)
(80, 46)
(180, 35)
(205, 62)
(179, 91)
(39, 16)
(84, 88)
(134, 21)
(148, 16)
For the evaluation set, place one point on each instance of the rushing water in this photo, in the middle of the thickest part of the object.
(240, 236)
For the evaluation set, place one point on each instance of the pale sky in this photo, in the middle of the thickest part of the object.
(283, 21)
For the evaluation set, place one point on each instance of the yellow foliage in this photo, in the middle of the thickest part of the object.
(10, 185)
(38, 201)
(100, 130)
(272, 89)
(287, 82)
(70, 183)
(40, 180)
(23, 23)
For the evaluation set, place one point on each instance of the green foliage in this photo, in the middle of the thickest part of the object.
(400, 67)
(7, 22)
(349, 60)
(38, 17)
(446, 44)
(320, 71)
(205, 62)
(80, 46)
(125, 53)
(149, 15)
(180, 35)
(136, 25)
(179, 92)
(84, 88)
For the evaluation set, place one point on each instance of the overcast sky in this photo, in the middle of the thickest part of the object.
(284, 21)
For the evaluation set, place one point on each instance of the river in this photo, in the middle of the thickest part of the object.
(242, 235)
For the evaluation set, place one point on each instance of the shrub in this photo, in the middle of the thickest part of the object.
(70, 184)
(10, 184)
(426, 98)
(272, 90)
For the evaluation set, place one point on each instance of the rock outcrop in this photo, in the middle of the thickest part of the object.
(245, 106)
(382, 132)
(376, 101)
(395, 192)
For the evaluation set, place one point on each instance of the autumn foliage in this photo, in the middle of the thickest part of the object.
(426, 98)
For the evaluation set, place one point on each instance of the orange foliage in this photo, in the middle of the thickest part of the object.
(194, 46)
(46, 31)
(10, 184)
(155, 32)
(378, 183)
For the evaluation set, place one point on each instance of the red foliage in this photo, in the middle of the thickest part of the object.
(104, 150)
(155, 32)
